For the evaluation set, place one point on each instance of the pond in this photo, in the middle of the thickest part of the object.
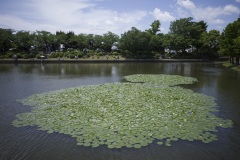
(18, 81)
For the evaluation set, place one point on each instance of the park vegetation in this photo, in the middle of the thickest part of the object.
(185, 39)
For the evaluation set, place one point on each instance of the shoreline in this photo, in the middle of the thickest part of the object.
(6, 61)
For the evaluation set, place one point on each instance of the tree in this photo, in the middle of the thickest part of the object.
(156, 43)
(180, 31)
(210, 43)
(137, 43)
(99, 41)
(61, 37)
(229, 41)
(71, 40)
(109, 38)
(185, 34)
(236, 44)
(23, 41)
(156, 37)
(196, 31)
(154, 27)
(6, 39)
(44, 41)
(82, 41)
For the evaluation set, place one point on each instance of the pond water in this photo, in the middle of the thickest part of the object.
(18, 81)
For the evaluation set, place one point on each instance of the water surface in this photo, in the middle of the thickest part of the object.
(22, 80)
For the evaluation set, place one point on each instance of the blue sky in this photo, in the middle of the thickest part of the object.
(117, 16)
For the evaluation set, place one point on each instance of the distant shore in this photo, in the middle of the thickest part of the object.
(2, 61)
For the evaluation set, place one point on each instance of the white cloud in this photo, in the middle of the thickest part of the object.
(186, 4)
(13, 22)
(209, 14)
(237, 0)
(162, 15)
(80, 16)
(228, 9)
(218, 21)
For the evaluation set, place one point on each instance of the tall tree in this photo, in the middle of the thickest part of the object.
(196, 31)
(180, 29)
(6, 39)
(23, 41)
(109, 38)
(156, 43)
(44, 41)
(136, 42)
(186, 33)
(154, 27)
(210, 41)
(229, 41)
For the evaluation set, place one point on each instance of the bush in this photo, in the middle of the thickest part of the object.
(80, 54)
(99, 54)
(71, 56)
(115, 53)
(8, 55)
(127, 54)
(38, 56)
(72, 53)
(54, 55)
(19, 55)
(25, 56)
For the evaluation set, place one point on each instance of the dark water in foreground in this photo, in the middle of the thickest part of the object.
(28, 143)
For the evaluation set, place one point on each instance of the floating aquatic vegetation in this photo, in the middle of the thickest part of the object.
(129, 115)
(162, 79)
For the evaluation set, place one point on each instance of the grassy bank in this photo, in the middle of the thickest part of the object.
(231, 66)
(92, 59)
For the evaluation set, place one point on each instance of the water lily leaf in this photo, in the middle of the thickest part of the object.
(128, 114)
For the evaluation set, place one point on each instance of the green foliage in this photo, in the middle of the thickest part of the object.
(154, 27)
(131, 114)
(231, 66)
(6, 37)
(9, 55)
(108, 39)
(19, 55)
(25, 56)
(161, 79)
(210, 41)
(236, 43)
(229, 42)
(184, 36)
(156, 43)
(115, 53)
(136, 42)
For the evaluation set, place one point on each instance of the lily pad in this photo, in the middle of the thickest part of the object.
(128, 114)
(162, 79)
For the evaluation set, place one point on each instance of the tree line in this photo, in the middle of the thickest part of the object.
(185, 39)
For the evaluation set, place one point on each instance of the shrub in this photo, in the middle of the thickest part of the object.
(19, 55)
(25, 56)
(8, 55)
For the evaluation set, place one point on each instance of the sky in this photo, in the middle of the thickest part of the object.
(117, 16)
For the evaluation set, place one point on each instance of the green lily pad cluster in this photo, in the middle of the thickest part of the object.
(169, 80)
(128, 114)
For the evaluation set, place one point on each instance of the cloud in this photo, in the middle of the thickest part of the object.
(162, 15)
(186, 4)
(209, 14)
(80, 16)
(13, 22)
(228, 9)
(237, 0)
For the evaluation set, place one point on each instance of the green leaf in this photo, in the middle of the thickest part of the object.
(126, 114)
